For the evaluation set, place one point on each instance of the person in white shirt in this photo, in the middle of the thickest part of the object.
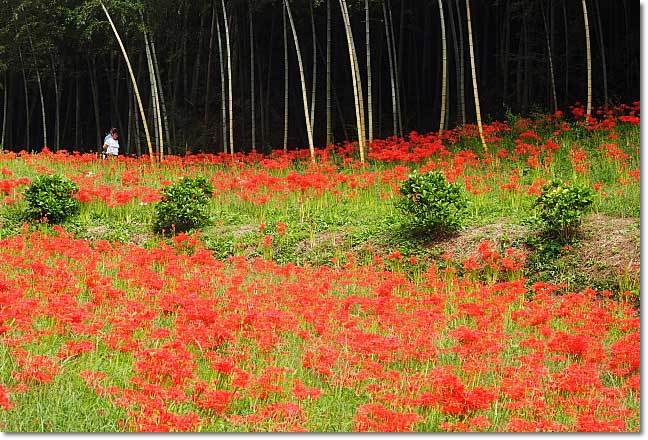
(111, 144)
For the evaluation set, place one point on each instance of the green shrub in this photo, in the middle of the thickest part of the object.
(561, 207)
(185, 206)
(432, 202)
(51, 198)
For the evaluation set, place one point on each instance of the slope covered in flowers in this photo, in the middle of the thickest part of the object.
(233, 329)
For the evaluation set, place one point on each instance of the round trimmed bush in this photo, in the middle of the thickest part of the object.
(561, 207)
(51, 198)
(184, 206)
(432, 202)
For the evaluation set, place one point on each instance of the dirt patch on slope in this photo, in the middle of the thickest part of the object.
(609, 246)
(465, 243)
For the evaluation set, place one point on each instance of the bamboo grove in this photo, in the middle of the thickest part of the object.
(255, 75)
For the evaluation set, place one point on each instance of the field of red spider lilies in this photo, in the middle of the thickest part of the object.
(148, 333)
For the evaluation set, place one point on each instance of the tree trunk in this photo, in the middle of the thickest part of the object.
(77, 114)
(209, 64)
(138, 147)
(5, 105)
(444, 68)
(196, 74)
(266, 104)
(95, 101)
(391, 71)
(462, 70)
(396, 70)
(42, 101)
(253, 105)
(505, 52)
(285, 42)
(398, 57)
(589, 60)
(154, 95)
(551, 68)
(309, 130)
(129, 122)
(164, 118)
(455, 44)
(356, 80)
(314, 84)
(57, 96)
(222, 84)
(27, 118)
(229, 80)
(369, 85)
(564, 8)
(40, 92)
(602, 45)
(474, 76)
(132, 75)
(329, 121)
(525, 82)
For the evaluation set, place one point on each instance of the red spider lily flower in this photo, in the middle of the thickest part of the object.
(303, 392)
(5, 401)
(216, 400)
(37, 369)
(634, 120)
(75, 348)
(377, 418)
(626, 355)
(590, 423)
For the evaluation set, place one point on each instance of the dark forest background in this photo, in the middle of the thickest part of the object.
(61, 67)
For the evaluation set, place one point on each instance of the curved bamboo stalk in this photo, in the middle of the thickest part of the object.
(369, 94)
(309, 130)
(285, 42)
(314, 85)
(602, 46)
(252, 103)
(551, 67)
(355, 76)
(221, 64)
(474, 76)
(229, 80)
(462, 70)
(42, 98)
(163, 111)
(329, 121)
(444, 74)
(27, 118)
(4, 111)
(391, 71)
(132, 76)
(589, 60)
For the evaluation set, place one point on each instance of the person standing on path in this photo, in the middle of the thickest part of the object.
(111, 144)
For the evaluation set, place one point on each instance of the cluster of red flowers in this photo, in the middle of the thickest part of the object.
(260, 179)
(255, 345)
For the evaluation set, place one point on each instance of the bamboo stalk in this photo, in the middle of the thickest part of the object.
(252, 103)
(444, 74)
(229, 80)
(222, 84)
(589, 60)
(329, 121)
(391, 71)
(285, 42)
(357, 86)
(369, 79)
(132, 75)
(309, 130)
(474, 76)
